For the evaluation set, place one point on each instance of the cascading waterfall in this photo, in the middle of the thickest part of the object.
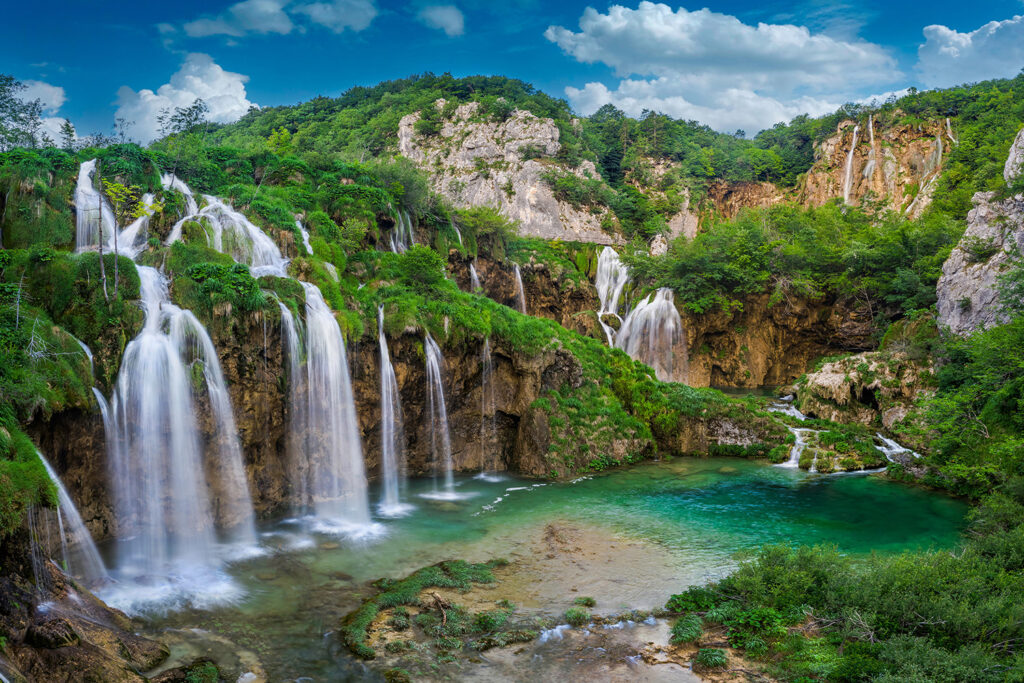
(848, 178)
(488, 411)
(94, 216)
(799, 445)
(474, 279)
(305, 236)
(297, 402)
(440, 438)
(401, 235)
(80, 557)
(869, 167)
(335, 476)
(458, 233)
(172, 182)
(392, 438)
(653, 333)
(949, 132)
(890, 449)
(520, 291)
(612, 276)
(132, 239)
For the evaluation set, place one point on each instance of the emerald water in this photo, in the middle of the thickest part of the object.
(668, 524)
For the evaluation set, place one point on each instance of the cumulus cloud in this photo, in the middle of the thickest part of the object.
(339, 15)
(447, 18)
(714, 68)
(51, 97)
(274, 16)
(199, 77)
(948, 57)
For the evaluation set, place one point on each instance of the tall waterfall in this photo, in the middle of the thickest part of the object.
(440, 439)
(297, 403)
(612, 276)
(474, 280)
(161, 496)
(488, 410)
(79, 554)
(335, 477)
(94, 216)
(520, 291)
(653, 334)
(392, 438)
(848, 177)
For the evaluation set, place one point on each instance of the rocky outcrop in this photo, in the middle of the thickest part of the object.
(55, 631)
(876, 388)
(1015, 160)
(968, 295)
(761, 344)
(727, 199)
(895, 165)
(478, 162)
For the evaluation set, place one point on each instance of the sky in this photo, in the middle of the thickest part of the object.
(732, 64)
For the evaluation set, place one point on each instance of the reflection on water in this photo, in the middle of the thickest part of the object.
(703, 513)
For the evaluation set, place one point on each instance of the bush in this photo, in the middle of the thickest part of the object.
(687, 629)
(577, 616)
(693, 599)
(711, 658)
(584, 602)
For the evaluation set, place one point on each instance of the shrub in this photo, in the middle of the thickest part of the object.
(711, 658)
(693, 599)
(687, 629)
(577, 616)
(584, 602)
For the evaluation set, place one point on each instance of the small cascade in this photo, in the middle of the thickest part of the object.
(94, 216)
(871, 129)
(333, 272)
(612, 276)
(440, 439)
(331, 449)
(848, 177)
(890, 449)
(305, 236)
(132, 239)
(172, 182)
(79, 554)
(458, 233)
(520, 291)
(230, 232)
(949, 132)
(392, 437)
(798, 448)
(474, 280)
(785, 406)
(653, 333)
(401, 235)
(488, 410)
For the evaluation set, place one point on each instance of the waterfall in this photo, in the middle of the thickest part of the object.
(890, 449)
(871, 129)
(305, 236)
(172, 182)
(653, 333)
(230, 232)
(333, 454)
(520, 292)
(474, 280)
(869, 167)
(132, 239)
(488, 410)
(848, 178)
(949, 132)
(401, 235)
(440, 439)
(80, 557)
(392, 438)
(94, 216)
(612, 277)
(458, 233)
(799, 445)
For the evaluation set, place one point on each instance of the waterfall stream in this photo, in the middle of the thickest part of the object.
(611, 278)
(474, 280)
(848, 177)
(80, 557)
(440, 437)
(488, 409)
(653, 333)
(94, 216)
(520, 291)
(392, 437)
(305, 236)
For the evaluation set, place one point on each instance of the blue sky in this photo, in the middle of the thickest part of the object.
(728, 63)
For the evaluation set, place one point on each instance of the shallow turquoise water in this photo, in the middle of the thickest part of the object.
(707, 513)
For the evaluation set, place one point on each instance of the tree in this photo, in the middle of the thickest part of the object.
(67, 136)
(175, 123)
(19, 120)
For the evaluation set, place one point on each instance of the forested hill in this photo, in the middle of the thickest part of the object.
(363, 123)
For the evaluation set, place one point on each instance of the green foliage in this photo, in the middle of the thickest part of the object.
(693, 599)
(584, 601)
(687, 629)
(711, 658)
(202, 672)
(577, 616)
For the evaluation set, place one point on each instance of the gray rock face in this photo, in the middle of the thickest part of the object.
(1015, 162)
(475, 162)
(967, 290)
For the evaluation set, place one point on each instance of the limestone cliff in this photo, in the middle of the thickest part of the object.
(727, 199)
(477, 162)
(967, 290)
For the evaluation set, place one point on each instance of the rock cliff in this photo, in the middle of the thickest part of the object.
(478, 162)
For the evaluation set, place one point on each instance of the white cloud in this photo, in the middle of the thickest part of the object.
(52, 97)
(199, 77)
(447, 18)
(714, 68)
(250, 16)
(948, 57)
(341, 14)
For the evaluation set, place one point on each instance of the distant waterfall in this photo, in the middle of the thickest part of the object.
(94, 216)
(653, 333)
(458, 233)
(474, 280)
(392, 438)
(440, 438)
(520, 292)
(79, 554)
(161, 496)
(305, 236)
(848, 177)
(401, 235)
(336, 479)
(612, 276)
(488, 410)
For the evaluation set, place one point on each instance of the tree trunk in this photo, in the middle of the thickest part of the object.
(99, 231)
